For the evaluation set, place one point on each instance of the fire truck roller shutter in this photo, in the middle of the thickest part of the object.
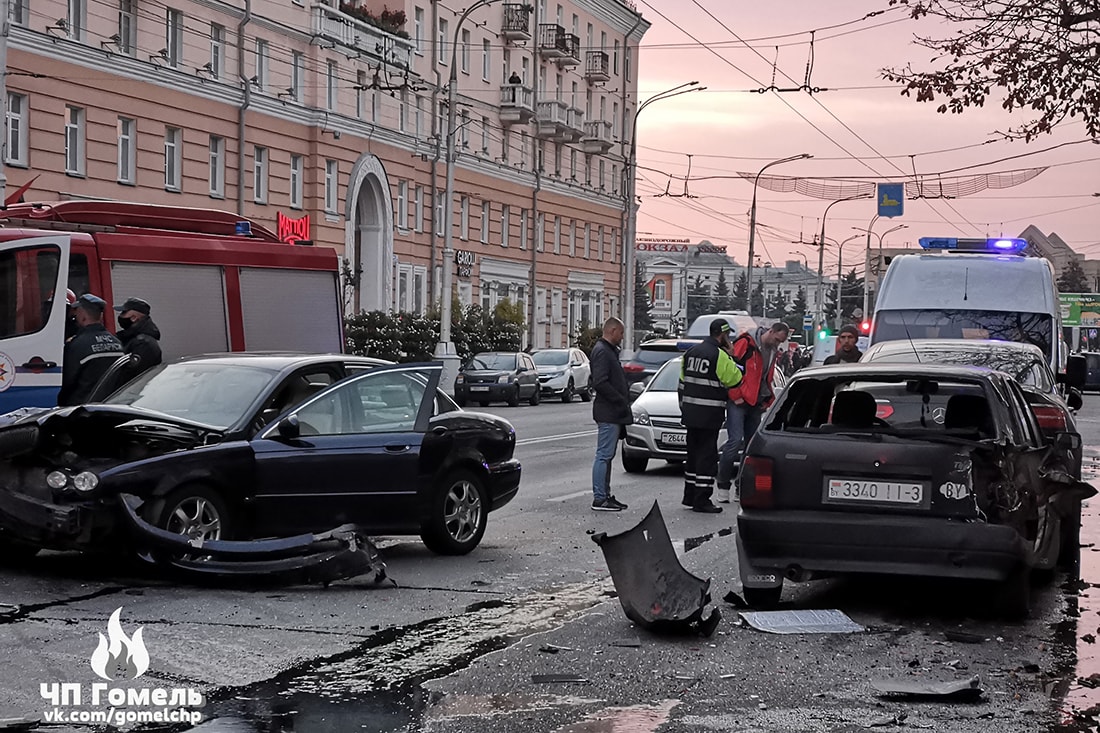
(291, 310)
(188, 304)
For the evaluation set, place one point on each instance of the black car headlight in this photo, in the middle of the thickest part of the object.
(85, 481)
(82, 482)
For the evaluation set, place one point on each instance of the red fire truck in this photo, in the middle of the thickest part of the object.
(216, 282)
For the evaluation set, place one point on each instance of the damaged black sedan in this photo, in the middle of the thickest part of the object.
(904, 469)
(247, 446)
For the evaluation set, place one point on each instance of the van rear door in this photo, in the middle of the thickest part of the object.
(33, 310)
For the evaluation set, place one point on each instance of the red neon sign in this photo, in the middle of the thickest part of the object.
(292, 230)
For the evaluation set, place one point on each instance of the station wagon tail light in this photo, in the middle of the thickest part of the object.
(634, 368)
(756, 483)
(1049, 417)
(883, 409)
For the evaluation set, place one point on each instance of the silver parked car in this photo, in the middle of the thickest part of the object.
(564, 373)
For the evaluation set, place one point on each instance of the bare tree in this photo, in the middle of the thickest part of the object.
(1040, 55)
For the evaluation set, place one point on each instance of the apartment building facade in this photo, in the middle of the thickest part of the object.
(329, 119)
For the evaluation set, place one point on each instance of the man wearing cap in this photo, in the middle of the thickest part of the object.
(88, 354)
(706, 373)
(139, 335)
(847, 349)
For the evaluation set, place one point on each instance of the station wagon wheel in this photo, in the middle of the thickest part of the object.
(195, 512)
(459, 515)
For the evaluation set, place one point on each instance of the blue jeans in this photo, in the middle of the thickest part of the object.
(607, 439)
(741, 423)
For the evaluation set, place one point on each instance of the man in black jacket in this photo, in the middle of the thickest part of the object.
(610, 410)
(88, 354)
(140, 337)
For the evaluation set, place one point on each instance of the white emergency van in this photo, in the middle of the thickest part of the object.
(971, 289)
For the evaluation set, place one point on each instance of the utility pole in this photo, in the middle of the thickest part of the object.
(5, 32)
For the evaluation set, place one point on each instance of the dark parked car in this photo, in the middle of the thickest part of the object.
(1092, 379)
(827, 488)
(498, 376)
(641, 364)
(247, 446)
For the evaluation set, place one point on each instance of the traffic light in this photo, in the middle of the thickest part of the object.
(823, 334)
(865, 326)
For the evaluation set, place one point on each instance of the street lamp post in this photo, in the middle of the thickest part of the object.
(632, 209)
(867, 262)
(752, 218)
(840, 279)
(821, 259)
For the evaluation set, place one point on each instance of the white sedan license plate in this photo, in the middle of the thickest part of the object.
(674, 438)
(863, 490)
(479, 389)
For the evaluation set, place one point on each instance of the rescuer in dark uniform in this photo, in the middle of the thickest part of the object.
(88, 354)
(707, 372)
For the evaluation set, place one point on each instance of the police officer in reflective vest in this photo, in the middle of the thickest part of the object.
(707, 372)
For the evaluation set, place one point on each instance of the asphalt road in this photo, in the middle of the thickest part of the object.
(453, 645)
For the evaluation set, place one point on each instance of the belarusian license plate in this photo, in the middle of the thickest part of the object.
(674, 438)
(863, 490)
(479, 389)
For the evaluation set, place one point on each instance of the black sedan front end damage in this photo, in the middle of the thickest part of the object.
(338, 554)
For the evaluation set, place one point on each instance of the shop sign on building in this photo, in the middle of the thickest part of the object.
(292, 230)
(465, 261)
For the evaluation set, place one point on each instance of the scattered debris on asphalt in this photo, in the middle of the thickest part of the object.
(541, 679)
(1091, 682)
(735, 600)
(829, 621)
(896, 719)
(960, 690)
(1089, 638)
(553, 649)
(29, 722)
(655, 590)
(627, 644)
(963, 637)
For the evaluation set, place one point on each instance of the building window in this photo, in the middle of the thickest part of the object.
(217, 167)
(600, 184)
(127, 145)
(16, 153)
(485, 59)
(464, 127)
(418, 209)
(403, 205)
(587, 241)
(523, 222)
(505, 224)
(614, 178)
(402, 101)
(573, 238)
(485, 135)
(557, 235)
(74, 141)
(127, 27)
(260, 80)
(330, 186)
(360, 93)
(420, 290)
(374, 105)
(615, 59)
(77, 19)
(173, 158)
(295, 181)
(330, 86)
(259, 174)
(599, 244)
(540, 232)
(173, 38)
(485, 214)
(439, 223)
(418, 30)
(442, 41)
(20, 12)
(297, 76)
(464, 217)
(615, 120)
(217, 50)
(505, 144)
(659, 290)
(464, 50)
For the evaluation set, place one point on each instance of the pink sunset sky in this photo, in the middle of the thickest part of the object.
(874, 132)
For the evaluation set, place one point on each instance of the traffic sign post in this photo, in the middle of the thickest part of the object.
(891, 199)
(807, 323)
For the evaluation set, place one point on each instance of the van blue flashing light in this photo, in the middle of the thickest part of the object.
(1000, 245)
(244, 229)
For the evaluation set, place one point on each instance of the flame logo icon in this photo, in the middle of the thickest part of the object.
(119, 657)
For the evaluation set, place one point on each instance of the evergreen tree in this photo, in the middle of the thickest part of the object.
(1073, 279)
(740, 299)
(723, 300)
(698, 299)
(643, 305)
(777, 304)
(797, 311)
(851, 293)
(757, 306)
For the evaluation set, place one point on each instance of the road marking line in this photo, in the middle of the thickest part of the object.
(551, 438)
(574, 495)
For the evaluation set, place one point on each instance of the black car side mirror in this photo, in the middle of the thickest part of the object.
(1074, 399)
(289, 428)
(1068, 441)
(636, 390)
(1077, 370)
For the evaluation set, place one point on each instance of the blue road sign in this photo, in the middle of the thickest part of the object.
(807, 323)
(891, 199)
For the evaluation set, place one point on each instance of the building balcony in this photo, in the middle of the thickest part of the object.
(572, 55)
(597, 66)
(574, 124)
(516, 104)
(517, 22)
(365, 39)
(550, 120)
(597, 138)
(557, 45)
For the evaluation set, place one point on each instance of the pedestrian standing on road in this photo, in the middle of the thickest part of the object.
(89, 354)
(847, 348)
(140, 337)
(610, 410)
(706, 373)
(755, 353)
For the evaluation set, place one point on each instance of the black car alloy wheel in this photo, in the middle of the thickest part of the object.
(197, 512)
(459, 514)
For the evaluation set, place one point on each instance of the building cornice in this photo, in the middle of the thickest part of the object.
(618, 16)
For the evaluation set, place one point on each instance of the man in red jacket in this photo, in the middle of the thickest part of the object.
(755, 352)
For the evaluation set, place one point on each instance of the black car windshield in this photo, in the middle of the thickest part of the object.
(551, 358)
(1025, 368)
(211, 394)
(1028, 328)
(667, 379)
(506, 362)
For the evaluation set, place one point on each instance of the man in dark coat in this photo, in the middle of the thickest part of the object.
(610, 410)
(88, 354)
(847, 347)
(140, 337)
